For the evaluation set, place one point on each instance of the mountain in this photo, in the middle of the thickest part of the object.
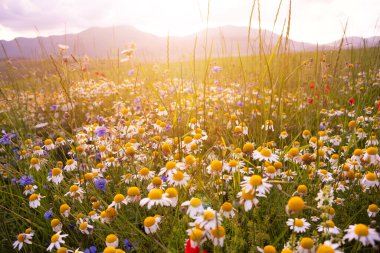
(107, 42)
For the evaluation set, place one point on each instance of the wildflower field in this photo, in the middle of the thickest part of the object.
(275, 152)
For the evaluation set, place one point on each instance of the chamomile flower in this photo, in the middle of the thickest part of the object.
(295, 205)
(328, 227)
(179, 179)
(155, 198)
(328, 247)
(151, 224)
(298, 225)
(133, 194)
(371, 156)
(233, 166)
(361, 232)
(118, 200)
(56, 241)
(56, 225)
(267, 249)
(84, 227)
(306, 245)
(215, 168)
(372, 210)
(144, 174)
(56, 176)
(172, 194)
(35, 163)
(112, 240)
(217, 235)
(21, 239)
(195, 207)
(257, 184)
(29, 189)
(34, 200)
(75, 192)
(227, 210)
(49, 144)
(208, 219)
(196, 236)
(265, 154)
(171, 167)
(71, 165)
(64, 210)
(248, 199)
(370, 180)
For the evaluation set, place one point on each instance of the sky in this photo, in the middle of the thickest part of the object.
(314, 21)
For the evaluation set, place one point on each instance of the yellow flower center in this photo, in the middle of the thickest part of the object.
(166, 148)
(294, 152)
(330, 224)
(73, 188)
(216, 165)
(55, 172)
(197, 136)
(171, 192)
(233, 163)
(55, 222)
(296, 204)
(361, 230)
(144, 171)
(83, 226)
(256, 180)
(373, 208)
(111, 238)
(21, 237)
(157, 181)
(325, 249)
(298, 223)
(265, 152)
(170, 165)
(189, 159)
(149, 221)
(133, 191)
(155, 194)
(34, 161)
(269, 249)
(196, 235)
(33, 197)
(372, 150)
(109, 249)
(248, 148)
(218, 232)
(270, 169)
(227, 207)
(208, 215)
(307, 243)
(62, 250)
(48, 142)
(178, 176)
(54, 238)
(187, 139)
(358, 152)
(102, 148)
(118, 198)
(195, 202)
(370, 176)
(64, 208)
(247, 195)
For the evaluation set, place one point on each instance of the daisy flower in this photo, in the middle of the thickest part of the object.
(171, 167)
(196, 236)
(227, 210)
(248, 198)
(56, 176)
(233, 166)
(64, 210)
(156, 183)
(56, 225)
(267, 249)
(133, 195)
(29, 189)
(295, 205)
(195, 207)
(256, 184)
(306, 245)
(179, 179)
(215, 168)
(362, 233)
(48, 144)
(112, 240)
(172, 194)
(209, 219)
(71, 165)
(217, 235)
(371, 156)
(35, 163)
(298, 225)
(84, 227)
(118, 200)
(265, 154)
(155, 198)
(75, 192)
(34, 200)
(56, 241)
(144, 174)
(151, 224)
(370, 180)
(38, 151)
(328, 227)
(21, 239)
(372, 210)
(328, 246)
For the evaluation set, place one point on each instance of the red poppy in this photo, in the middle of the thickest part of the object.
(327, 88)
(189, 249)
(312, 86)
(351, 101)
(310, 100)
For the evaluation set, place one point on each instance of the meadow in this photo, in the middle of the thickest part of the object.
(275, 152)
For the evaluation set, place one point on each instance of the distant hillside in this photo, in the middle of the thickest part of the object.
(105, 43)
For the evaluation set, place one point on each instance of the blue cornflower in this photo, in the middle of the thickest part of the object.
(92, 249)
(6, 139)
(101, 184)
(128, 245)
(49, 214)
(130, 72)
(53, 107)
(216, 69)
(26, 180)
(101, 131)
